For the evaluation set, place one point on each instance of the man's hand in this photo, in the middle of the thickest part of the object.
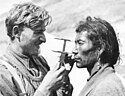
(53, 80)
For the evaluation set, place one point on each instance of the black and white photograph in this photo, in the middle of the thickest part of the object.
(62, 48)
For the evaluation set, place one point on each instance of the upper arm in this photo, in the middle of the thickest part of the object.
(6, 83)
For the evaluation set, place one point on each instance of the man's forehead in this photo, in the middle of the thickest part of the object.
(82, 34)
(38, 27)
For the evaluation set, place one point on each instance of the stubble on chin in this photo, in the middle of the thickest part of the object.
(88, 60)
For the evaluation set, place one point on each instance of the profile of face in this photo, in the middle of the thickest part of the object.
(30, 41)
(85, 53)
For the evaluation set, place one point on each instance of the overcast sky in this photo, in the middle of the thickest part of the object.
(5, 5)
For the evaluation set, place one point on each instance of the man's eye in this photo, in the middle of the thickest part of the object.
(38, 33)
(81, 42)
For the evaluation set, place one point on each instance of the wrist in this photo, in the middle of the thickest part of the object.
(40, 93)
(43, 90)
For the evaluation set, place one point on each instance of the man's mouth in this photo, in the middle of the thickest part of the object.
(76, 59)
(38, 44)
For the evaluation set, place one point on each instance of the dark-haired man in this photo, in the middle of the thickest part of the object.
(97, 49)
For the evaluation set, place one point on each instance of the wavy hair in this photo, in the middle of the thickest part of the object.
(26, 14)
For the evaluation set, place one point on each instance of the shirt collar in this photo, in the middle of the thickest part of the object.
(98, 71)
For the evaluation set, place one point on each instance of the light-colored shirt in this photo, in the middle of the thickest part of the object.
(104, 83)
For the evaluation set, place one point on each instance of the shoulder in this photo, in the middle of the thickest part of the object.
(111, 80)
(6, 80)
(4, 72)
(109, 86)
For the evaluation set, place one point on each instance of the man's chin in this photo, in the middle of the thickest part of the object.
(35, 53)
(78, 65)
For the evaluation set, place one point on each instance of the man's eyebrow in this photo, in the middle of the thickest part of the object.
(41, 30)
(79, 40)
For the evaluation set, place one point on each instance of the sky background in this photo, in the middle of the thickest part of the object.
(66, 14)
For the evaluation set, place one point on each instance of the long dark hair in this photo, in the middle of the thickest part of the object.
(102, 34)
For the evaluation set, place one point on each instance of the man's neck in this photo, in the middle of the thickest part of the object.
(94, 68)
(16, 47)
(97, 66)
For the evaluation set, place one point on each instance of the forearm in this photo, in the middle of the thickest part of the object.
(65, 90)
(40, 93)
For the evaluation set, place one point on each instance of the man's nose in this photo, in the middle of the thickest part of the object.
(75, 51)
(43, 38)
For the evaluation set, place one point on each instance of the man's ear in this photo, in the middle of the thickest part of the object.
(16, 32)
